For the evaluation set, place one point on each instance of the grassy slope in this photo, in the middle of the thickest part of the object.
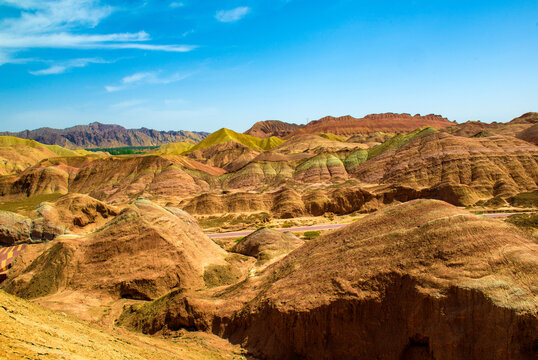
(58, 150)
(332, 137)
(225, 135)
(173, 148)
(17, 154)
(28, 331)
(398, 141)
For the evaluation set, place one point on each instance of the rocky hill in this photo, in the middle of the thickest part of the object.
(30, 331)
(97, 135)
(230, 150)
(456, 169)
(268, 128)
(437, 281)
(142, 253)
(389, 122)
(18, 154)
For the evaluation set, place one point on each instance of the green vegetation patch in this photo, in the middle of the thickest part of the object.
(398, 141)
(219, 275)
(30, 203)
(125, 150)
(528, 222)
(494, 202)
(311, 234)
(234, 219)
(525, 199)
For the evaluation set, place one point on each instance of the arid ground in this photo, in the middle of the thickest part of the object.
(391, 236)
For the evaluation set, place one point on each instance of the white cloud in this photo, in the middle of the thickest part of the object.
(68, 24)
(109, 88)
(176, 4)
(5, 58)
(232, 15)
(127, 104)
(188, 32)
(137, 77)
(145, 78)
(167, 48)
(63, 67)
(57, 69)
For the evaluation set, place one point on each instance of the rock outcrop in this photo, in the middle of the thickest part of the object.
(142, 253)
(268, 128)
(30, 331)
(110, 178)
(420, 280)
(457, 169)
(266, 244)
(389, 122)
(16, 229)
(76, 213)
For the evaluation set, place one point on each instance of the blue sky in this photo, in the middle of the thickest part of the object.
(203, 65)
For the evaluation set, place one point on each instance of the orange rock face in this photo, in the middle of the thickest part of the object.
(420, 280)
(389, 122)
(116, 179)
(461, 170)
(268, 128)
(142, 253)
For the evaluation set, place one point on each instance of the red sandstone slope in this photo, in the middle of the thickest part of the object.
(420, 280)
(457, 169)
(268, 128)
(389, 122)
(142, 253)
(113, 178)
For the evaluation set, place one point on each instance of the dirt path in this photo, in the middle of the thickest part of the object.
(320, 227)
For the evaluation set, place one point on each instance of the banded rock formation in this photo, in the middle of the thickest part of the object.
(142, 253)
(464, 169)
(420, 280)
(268, 128)
(389, 122)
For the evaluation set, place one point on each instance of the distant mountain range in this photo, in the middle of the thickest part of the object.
(97, 135)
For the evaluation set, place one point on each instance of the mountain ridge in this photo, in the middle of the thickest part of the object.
(99, 135)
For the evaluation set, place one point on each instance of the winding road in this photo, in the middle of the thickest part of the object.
(320, 227)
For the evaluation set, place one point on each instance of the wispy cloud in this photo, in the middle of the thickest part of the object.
(232, 15)
(56, 69)
(63, 67)
(127, 104)
(177, 4)
(145, 78)
(67, 24)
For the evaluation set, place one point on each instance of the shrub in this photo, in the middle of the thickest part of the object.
(312, 234)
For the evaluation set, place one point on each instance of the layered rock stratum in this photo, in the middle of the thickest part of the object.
(268, 128)
(110, 240)
(420, 280)
(388, 122)
(142, 253)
